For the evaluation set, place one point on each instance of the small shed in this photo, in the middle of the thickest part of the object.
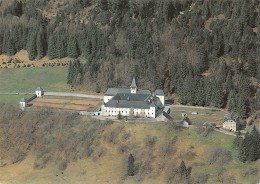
(23, 103)
(39, 92)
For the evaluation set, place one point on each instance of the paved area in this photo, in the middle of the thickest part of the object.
(72, 95)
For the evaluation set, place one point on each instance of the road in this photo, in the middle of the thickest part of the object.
(196, 107)
(16, 93)
(224, 131)
(72, 95)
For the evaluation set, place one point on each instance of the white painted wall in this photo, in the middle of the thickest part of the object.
(162, 99)
(22, 104)
(110, 111)
(107, 98)
(39, 93)
(133, 90)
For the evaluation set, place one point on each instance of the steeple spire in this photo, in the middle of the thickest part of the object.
(133, 86)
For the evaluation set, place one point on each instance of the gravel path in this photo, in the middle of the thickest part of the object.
(72, 95)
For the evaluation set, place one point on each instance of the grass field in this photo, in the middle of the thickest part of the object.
(12, 98)
(204, 115)
(28, 79)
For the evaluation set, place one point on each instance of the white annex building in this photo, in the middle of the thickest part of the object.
(133, 102)
(39, 92)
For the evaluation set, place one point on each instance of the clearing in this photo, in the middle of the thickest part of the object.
(27, 79)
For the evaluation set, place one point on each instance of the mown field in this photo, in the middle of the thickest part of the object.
(28, 79)
(12, 98)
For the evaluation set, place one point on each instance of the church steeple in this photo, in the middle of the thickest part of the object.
(133, 86)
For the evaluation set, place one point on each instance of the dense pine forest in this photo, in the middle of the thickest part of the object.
(207, 52)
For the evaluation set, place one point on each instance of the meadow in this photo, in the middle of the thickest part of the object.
(28, 79)
(12, 98)
(204, 115)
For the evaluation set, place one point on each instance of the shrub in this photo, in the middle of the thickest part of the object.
(17, 156)
(166, 150)
(122, 149)
(218, 155)
(200, 178)
(125, 136)
(251, 172)
(41, 162)
(150, 141)
(188, 155)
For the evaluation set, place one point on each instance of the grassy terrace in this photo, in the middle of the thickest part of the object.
(27, 79)
(12, 98)
(204, 115)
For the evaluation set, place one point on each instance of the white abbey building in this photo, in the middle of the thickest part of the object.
(133, 102)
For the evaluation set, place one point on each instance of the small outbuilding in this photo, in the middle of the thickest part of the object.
(39, 92)
(23, 103)
(231, 121)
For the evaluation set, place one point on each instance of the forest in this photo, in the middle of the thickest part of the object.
(207, 52)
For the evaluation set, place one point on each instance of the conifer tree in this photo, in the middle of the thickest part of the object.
(72, 48)
(40, 43)
(31, 46)
(130, 166)
(52, 47)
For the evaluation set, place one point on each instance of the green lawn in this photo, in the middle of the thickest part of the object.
(28, 79)
(12, 98)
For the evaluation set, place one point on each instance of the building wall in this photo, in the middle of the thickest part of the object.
(107, 98)
(22, 104)
(162, 98)
(133, 90)
(113, 111)
(230, 125)
(38, 93)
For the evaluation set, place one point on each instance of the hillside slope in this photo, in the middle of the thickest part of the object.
(37, 147)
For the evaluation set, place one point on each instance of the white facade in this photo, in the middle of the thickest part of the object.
(162, 99)
(230, 125)
(133, 90)
(39, 92)
(113, 111)
(23, 103)
(107, 98)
